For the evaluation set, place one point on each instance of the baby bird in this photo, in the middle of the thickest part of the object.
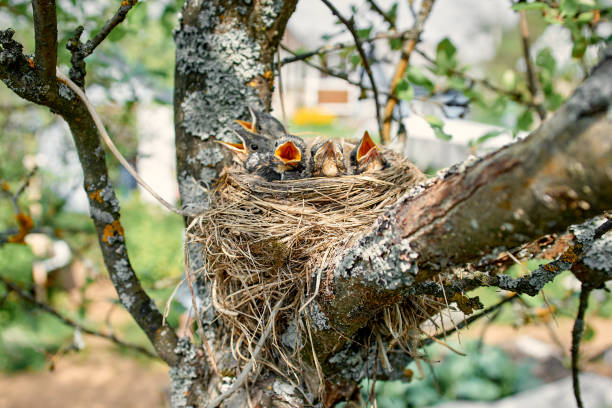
(366, 157)
(290, 157)
(251, 143)
(327, 160)
(266, 124)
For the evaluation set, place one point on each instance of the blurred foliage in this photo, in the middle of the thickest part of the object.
(484, 374)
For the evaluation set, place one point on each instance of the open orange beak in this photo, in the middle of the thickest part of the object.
(247, 125)
(366, 147)
(288, 153)
(235, 147)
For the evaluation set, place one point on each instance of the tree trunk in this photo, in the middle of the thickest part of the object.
(224, 60)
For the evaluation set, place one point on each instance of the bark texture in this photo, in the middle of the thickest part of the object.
(224, 60)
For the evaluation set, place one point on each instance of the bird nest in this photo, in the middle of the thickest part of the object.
(266, 242)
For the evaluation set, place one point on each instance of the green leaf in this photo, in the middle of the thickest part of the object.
(585, 17)
(536, 5)
(441, 134)
(434, 121)
(524, 121)
(579, 48)
(457, 83)
(569, 7)
(392, 13)
(588, 333)
(545, 60)
(404, 90)
(355, 59)
(395, 43)
(418, 77)
(364, 33)
(117, 34)
(485, 137)
(437, 126)
(445, 55)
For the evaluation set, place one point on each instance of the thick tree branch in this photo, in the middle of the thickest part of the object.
(559, 176)
(13, 287)
(45, 35)
(18, 75)
(400, 69)
(104, 211)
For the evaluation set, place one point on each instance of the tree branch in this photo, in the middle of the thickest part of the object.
(45, 35)
(47, 308)
(400, 69)
(576, 336)
(81, 51)
(531, 284)
(364, 59)
(513, 95)
(557, 177)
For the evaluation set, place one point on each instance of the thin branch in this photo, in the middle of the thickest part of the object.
(513, 95)
(473, 318)
(120, 14)
(47, 308)
(376, 8)
(341, 75)
(81, 51)
(325, 49)
(531, 79)
(45, 35)
(530, 284)
(400, 69)
(364, 59)
(576, 336)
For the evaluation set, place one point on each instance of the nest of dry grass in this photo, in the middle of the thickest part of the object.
(267, 242)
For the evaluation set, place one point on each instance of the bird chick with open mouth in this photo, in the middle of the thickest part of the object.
(327, 160)
(263, 124)
(250, 143)
(366, 157)
(290, 158)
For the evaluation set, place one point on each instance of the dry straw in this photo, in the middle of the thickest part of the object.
(266, 241)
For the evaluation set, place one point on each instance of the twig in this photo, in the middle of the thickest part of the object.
(531, 80)
(239, 381)
(515, 96)
(364, 59)
(530, 284)
(341, 75)
(15, 196)
(400, 69)
(472, 318)
(109, 143)
(13, 287)
(325, 49)
(81, 51)
(120, 14)
(576, 336)
(376, 8)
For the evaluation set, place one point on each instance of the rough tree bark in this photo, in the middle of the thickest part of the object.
(224, 59)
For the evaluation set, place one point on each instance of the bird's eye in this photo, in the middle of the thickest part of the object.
(254, 147)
